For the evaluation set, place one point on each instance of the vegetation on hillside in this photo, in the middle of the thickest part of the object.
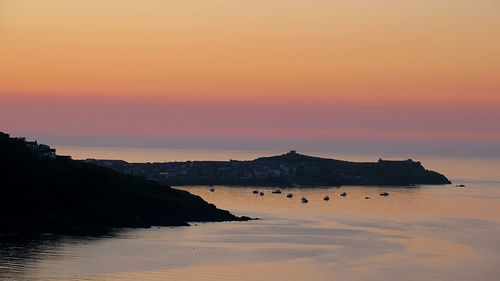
(42, 192)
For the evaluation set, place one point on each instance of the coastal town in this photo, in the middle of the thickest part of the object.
(290, 169)
(212, 172)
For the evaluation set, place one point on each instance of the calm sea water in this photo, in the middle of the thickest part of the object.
(424, 233)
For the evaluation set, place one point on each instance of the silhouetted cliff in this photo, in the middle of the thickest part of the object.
(283, 170)
(42, 192)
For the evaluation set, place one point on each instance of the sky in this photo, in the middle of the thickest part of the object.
(349, 76)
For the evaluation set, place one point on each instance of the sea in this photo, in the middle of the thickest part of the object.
(426, 232)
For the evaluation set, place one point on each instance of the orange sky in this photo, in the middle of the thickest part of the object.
(395, 54)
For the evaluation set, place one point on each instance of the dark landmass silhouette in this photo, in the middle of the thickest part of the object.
(290, 169)
(41, 192)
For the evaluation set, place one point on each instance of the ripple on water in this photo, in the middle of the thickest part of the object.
(428, 233)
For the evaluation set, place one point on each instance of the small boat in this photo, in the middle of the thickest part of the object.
(255, 192)
(460, 185)
(384, 194)
(367, 197)
(326, 198)
(277, 191)
(212, 189)
(304, 200)
(289, 195)
(261, 193)
(343, 194)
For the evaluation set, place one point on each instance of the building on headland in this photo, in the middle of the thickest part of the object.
(41, 150)
(290, 169)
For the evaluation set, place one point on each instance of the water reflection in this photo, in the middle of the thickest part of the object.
(19, 256)
(426, 233)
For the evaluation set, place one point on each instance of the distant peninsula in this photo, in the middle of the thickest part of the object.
(290, 169)
(41, 192)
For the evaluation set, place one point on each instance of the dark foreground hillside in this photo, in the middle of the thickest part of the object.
(42, 192)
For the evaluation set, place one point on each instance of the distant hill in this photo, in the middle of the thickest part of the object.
(290, 169)
(43, 192)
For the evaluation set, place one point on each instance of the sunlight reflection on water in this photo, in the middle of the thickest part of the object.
(426, 233)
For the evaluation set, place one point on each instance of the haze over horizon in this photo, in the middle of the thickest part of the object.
(344, 76)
